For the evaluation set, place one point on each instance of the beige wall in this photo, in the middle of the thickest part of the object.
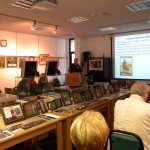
(21, 44)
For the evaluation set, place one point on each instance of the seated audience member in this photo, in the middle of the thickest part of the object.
(43, 79)
(75, 67)
(89, 131)
(133, 113)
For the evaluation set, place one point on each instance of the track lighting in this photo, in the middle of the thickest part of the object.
(34, 26)
(54, 32)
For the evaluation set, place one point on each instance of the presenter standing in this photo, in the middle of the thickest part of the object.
(75, 67)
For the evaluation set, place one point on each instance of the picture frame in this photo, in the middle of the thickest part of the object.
(42, 106)
(66, 97)
(2, 62)
(30, 109)
(97, 90)
(20, 61)
(51, 105)
(88, 95)
(12, 113)
(43, 58)
(96, 64)
(58, 102)
(115, 87)
(77, 96)
(3, 43)
(103, 90)
(11, 62)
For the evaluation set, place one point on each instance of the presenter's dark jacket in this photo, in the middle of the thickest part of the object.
(75, 68)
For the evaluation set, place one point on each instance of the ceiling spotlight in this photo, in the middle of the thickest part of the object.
(54, 32)
(34, 26)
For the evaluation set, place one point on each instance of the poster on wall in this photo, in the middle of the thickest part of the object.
(2, 62)
(43, 58)
(96, 64)
(11, 62)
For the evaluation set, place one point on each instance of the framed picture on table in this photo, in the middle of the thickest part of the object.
(51, 105)
(77, 96)
(43, 58)
(97, 90)
(66, 97)
(31, 109)
(58, 102)
(12, 113)
(42, 106)
(88, 95)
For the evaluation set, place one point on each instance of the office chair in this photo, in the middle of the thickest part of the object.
(123, 140)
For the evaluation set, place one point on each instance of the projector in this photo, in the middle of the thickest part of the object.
(44, 5)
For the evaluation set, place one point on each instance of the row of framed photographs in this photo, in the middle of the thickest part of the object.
(86, 94)
(17, 112)
(16, 61)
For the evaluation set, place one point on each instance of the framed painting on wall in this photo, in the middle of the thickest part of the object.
(43, 58)
(11, 62)
(20, 60)
(96, 64)
(2, 62)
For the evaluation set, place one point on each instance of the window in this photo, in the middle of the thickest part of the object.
(71, 50)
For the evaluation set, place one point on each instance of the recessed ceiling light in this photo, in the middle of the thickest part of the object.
(107, 29)
(77, 19)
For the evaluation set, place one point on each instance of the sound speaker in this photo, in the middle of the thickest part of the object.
(86, 56)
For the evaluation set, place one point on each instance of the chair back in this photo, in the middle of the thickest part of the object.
(123, 140)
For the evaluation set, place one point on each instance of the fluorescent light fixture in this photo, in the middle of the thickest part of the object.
(108, 29)
(77, 19)
(26, 4)
(139, 5)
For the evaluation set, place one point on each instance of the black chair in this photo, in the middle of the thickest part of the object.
(123, 140)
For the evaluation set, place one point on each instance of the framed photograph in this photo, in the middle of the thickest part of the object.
(31, 109)
(20, 61)
(103, 90)
(43, 58)
(115, 87)
(42, 106)
(97, 90)
(12, 113)
(77, 96)
(88, 95)
(51, 105)
(11, 62)
(3, 43)
(66, 97)
(58, 102)
(2, 62)
(96, 64)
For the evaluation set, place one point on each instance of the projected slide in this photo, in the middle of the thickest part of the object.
(131, 56)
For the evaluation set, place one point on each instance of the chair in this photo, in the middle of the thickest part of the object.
(123, 140)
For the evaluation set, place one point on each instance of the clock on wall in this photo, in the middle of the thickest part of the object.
(3, 43)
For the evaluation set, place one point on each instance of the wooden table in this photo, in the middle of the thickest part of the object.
(62, 125)
(33, 132)
(105, 106)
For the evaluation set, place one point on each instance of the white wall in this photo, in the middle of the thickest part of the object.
(21, 44)
(98, 46)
